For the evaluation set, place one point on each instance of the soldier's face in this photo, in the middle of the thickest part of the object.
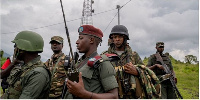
(160, 49)
(56, 47)
(118, 40)
(83, 43)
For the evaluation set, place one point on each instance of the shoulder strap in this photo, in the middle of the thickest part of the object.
(54, 68)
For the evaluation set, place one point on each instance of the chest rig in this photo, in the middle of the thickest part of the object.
(16, 78)
(166, 60)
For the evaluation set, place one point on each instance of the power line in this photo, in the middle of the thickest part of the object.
(126, 3)
(115, 15)
(60, 22)
(73, 20)
(110, 22)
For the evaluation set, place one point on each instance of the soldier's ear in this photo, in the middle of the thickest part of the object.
(92, 40)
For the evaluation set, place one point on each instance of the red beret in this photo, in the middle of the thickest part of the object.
(90, 30)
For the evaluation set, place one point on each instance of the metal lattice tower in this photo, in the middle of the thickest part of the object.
(87, 12)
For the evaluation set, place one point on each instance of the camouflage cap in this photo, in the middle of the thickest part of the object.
(57, 39)
(160, 44)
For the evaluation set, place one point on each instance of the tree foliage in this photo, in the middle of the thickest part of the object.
(2, 52)
(191, 59)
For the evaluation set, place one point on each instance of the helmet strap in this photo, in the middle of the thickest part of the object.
(17, 51)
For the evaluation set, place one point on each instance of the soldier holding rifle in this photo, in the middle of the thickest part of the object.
(131, 74)
(156, 63)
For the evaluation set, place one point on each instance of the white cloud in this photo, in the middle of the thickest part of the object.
(175, 22)
(180, 54)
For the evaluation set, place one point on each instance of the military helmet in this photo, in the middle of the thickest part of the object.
(119, 29)
(29, 41)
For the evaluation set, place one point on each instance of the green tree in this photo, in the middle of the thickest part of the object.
(190, 59)
(2, 52)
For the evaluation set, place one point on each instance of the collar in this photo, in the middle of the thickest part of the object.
(32, 62)
(90, 56)
(56, 56)
(126, 50)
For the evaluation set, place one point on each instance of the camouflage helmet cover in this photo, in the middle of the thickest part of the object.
(29, 41)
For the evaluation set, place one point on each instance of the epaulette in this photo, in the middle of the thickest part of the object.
(95, 61)
(104, 52)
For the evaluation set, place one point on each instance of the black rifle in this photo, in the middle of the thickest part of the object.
(171, 75)
(124, 77)
(72, 72)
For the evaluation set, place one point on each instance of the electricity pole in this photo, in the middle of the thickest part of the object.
(118, 7)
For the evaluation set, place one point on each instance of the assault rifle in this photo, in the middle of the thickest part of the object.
(170, 74)
(72, 72)
(124, 78)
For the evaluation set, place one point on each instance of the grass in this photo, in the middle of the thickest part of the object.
(187, 76)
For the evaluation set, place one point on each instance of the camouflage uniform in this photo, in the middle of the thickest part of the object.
(167, 91)
(30, 81)
(141, 87)
(96, 80)
(56, 67)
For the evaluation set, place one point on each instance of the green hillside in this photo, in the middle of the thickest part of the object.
(188, 78)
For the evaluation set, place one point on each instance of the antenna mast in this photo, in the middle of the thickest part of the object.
(87, 12)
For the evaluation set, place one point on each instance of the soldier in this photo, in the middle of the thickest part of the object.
(95, 82)
(32, 79)
(56, 67)
(167, 91)
(130, 78)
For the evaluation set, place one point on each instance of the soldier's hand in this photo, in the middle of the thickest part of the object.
(131, 69)
(175, 79)
(75, 88)
(160, 66)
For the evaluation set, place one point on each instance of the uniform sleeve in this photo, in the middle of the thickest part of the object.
(149, 61)
(170, 63)
(137, 58)
(34, 83)
(107, 75)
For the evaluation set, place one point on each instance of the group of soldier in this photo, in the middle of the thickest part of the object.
(116, 73)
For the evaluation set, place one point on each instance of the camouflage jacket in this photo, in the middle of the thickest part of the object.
(29, 81)
(140, 87)
(56, 67)
(152, 61)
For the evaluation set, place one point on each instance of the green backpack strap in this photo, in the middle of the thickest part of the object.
(54, 69)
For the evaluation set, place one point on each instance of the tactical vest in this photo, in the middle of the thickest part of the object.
(146, 85)
(15, 80)
(58, 72)
(166, 60)
(131, 88)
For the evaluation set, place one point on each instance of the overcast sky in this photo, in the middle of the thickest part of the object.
(175, 22)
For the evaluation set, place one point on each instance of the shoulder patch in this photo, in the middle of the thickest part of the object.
(93, 62)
